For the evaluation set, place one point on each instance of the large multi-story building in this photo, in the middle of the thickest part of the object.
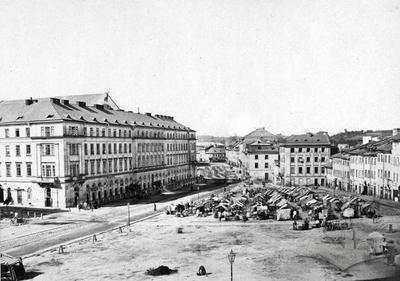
(303, 159)
(57, 152)
(372, 168)
(261, 159)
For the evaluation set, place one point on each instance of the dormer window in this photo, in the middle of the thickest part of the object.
(50, 116)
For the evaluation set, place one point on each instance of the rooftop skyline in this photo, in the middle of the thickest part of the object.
(219, 67)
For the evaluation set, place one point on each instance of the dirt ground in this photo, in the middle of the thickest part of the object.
(266, 250)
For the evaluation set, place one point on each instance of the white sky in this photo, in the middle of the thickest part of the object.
(220, 67)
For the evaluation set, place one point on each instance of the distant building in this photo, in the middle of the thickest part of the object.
(303, 159)
(215, 154)
(371, 168)
(261, 159)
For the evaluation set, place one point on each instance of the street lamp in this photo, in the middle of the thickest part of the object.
(231, 258)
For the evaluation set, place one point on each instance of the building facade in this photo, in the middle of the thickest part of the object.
(57, 153)
(373, 169)
(303, 158)
(261, 158)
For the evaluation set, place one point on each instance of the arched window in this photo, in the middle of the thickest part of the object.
(29, 191)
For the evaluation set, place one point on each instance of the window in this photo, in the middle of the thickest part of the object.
(308, 159)
(115, 165)
(17, 150)
(47, 149)
(109, 148)
(91, 132)
(308, 170)
(104, 166)
(104, 148)
(130, 148)
(84, 131)
(7, 133)
(120, 148)
(315, 170)
(266, 165)
(8, 169)
(322, 159)
(29, 169)
(291, 159)
(47, 131)
(292, 150)
(86, 167)
(103, 132)
(308, 149)
(92, 172)
(28, 150)
(323, 149)
(73, 130)
(91, 149)
(125, 148)
(18, 169)
(315, 159)
(48, 170)
(17, 133)
(291, 170)
(7, 150)
(120, 165)
(300, 170)
(97, 132)
(315, 149)
(29, 191)
(74, 169)
(300, 149)
(256, 165)
(322, 170)
(74, 149)
(98, 168)
(86, 149)
(115, 148)
(97, 148)
(110, 165)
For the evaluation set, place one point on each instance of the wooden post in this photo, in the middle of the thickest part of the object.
(94, 238)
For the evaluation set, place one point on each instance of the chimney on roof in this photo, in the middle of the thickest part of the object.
(55, 100)
(29, 101)
(148, 113)
(99, 106)
(396, 131)
(82, 103)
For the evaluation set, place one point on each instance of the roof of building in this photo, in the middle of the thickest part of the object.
(260, 133)
(308, 139)
(214, 149)
(373, 148)
(92, 99)
(54, 109)
(341, 155)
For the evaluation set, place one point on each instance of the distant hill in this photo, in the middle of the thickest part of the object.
(355, 137)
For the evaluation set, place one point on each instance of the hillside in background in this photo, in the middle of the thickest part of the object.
(355, 137)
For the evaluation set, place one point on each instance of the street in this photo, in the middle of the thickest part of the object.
(60, 228)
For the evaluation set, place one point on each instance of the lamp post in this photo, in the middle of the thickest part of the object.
(231, 258)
